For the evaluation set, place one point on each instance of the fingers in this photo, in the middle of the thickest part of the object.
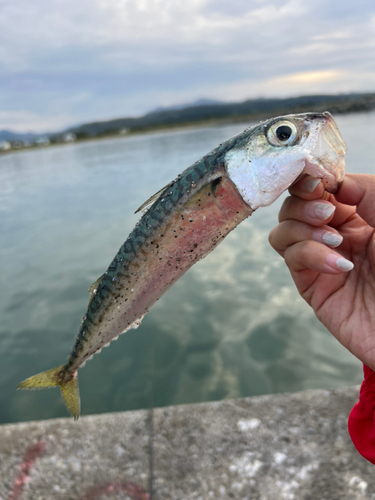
(315, 212)
(303, 237)
(307, 247)
(313, 206)
(290, 232)
(316, 257)
(359, 190)
(309, 188)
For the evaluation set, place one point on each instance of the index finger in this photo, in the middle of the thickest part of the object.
(309, 188)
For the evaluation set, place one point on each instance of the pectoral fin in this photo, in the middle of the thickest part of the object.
(93, 288)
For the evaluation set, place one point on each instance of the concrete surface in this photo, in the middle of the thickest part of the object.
(293, 446)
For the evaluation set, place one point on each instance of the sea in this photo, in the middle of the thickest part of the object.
(232, 326)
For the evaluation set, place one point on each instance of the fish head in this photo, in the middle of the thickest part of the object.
(268, 159)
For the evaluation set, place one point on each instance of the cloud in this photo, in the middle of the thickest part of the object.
(31, 121)
(311, 77)
(94, 59)
(315, 82)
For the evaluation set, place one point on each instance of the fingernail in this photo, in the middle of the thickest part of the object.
(323, 210)
(339, 263)
(311, 184)
(344, 264)
(332, 239)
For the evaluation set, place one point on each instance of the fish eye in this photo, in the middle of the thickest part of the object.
(282, 133)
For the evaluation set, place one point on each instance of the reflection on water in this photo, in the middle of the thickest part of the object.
(232, 326)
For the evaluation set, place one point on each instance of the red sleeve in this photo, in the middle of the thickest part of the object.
(361, 422)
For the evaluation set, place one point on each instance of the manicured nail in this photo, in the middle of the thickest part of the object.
(344, 264)
(323, 210)
(311, 184)
(339, 263)
(332, 239)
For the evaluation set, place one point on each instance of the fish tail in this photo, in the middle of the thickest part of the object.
(52, 378)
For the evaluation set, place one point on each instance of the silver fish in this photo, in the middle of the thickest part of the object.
(187, 219)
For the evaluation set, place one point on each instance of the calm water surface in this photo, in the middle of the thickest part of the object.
(233, 326)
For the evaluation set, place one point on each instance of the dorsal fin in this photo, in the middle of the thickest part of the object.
(153, 198)
(93, 288)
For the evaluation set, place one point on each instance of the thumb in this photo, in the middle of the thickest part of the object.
(359, 190)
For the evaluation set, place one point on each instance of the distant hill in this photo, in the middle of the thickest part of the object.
(249, 109)
(209, 110)
(8, 135)
(199, 102)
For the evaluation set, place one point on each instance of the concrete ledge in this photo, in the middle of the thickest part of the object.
(293, 446)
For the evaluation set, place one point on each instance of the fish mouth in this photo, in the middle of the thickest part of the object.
(326, 160)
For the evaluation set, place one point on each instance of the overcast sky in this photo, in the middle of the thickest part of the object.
(64, 62)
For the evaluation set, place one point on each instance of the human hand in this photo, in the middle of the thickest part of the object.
(310, 224)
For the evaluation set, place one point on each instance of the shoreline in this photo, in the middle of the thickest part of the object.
(206, 123)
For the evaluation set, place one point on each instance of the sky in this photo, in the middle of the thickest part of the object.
(66, 62)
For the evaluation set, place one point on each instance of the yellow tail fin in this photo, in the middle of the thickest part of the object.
(51, 378)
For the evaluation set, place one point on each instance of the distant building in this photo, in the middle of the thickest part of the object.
(5, 145)
(69, 137)
(124, 131)
(42, 141)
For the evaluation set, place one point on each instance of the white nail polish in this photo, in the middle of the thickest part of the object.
(311, 184)
(323, 210)
(332, 239)
(344, 264)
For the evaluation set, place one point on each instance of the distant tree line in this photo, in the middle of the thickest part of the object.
(250, 109)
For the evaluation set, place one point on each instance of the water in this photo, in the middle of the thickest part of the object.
(233, 326)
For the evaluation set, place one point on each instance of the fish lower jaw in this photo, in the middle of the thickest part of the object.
(331, 173)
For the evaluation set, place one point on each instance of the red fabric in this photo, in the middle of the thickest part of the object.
(361, 422)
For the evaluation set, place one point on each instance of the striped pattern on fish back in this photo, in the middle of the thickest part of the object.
(191, 180)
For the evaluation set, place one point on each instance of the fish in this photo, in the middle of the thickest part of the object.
(188, 218)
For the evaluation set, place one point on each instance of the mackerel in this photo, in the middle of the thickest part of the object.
(188, 218)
